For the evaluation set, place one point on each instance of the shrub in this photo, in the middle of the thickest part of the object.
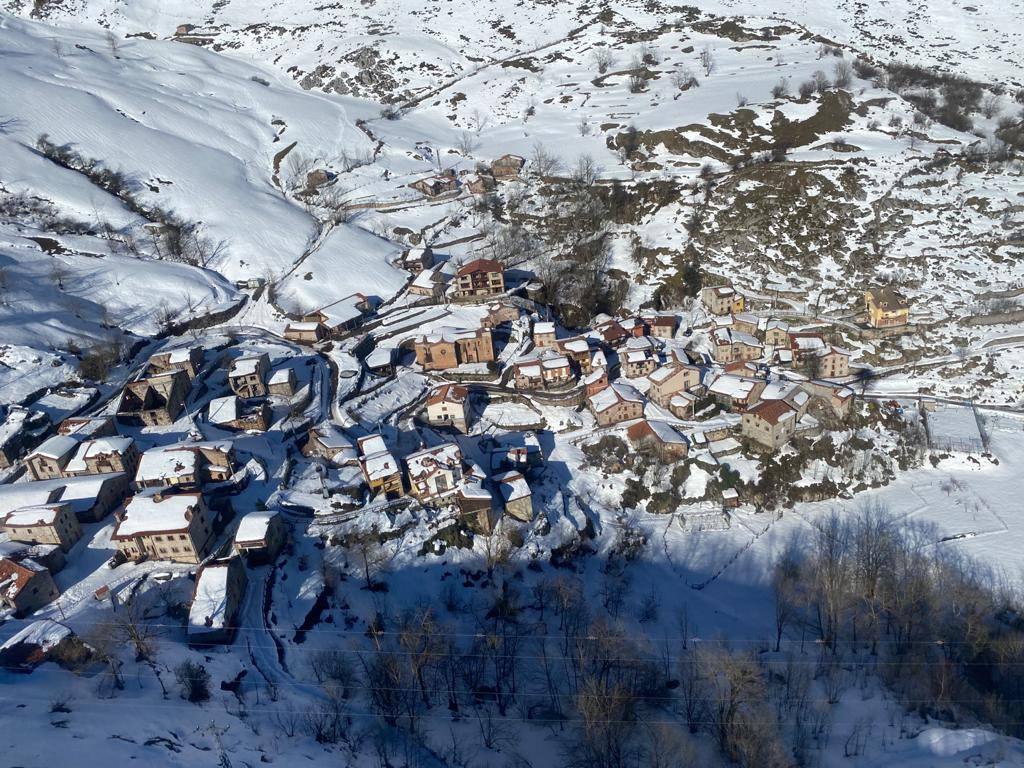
(194, 681)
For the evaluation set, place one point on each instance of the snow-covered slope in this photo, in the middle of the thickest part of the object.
(194, 138)
(397, 47)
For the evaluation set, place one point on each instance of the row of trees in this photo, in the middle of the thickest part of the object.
(942, 630)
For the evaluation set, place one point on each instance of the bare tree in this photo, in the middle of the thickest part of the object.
(683, 79)
(990, 105)
(707, 60)
(604, 59)
(842, 74)
(543, 162)
(466, 144)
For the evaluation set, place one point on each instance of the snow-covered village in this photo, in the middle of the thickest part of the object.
(521, 385)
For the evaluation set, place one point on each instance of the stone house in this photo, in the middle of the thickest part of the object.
(516, 495)
(747, 323)
(83, 427)
(26, 586)
(341, 316)
(637, 363)
(248, 375)
(544, 335)
(670, 380)
(659, 436)
(577, 349)
(612, 333)
(886, 307)
(770, 423)
(91, 497)
(216, 602)
(154, 401)
(451, 347)
(555, 370)
(381, 361)
(595, 381)
(499, 313)
(448, 406)
(737, 393)
(186, 465)
(476, 502)
(430, 282)
(104, 455)
(776, 333)
(187, 359)
(662, 326)
(328, 442)
(433, 186)
(164, 526)
(528, 375)
(260, 536)
(382, 473)
(230, 413)
(478, 279)
(434, 473)
(43, 524)
(282, 382)
(305, 333)
(722, 299)
(418, 258)
(507, 167)
(616, 403)
(682, 405)
(48, 460)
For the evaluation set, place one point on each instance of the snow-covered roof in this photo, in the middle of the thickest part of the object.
(577, 345)
(379, 357)
(167, 462)
(450, 335)
(223, 410)
(280, 376)
(210, 606)
(555, 361)
(379, 465)
(427, 278)
(152, 513)
(474, 489)
(246, 365)
(666, 433)
(739, 337)
(100, 446)
(637, 356)
(529, 370)
(513, 486)
(371, 444)
(682, 399)
(737, 387)
(303, 326)
(594, 376)
(179, 355)
(342, 311)
(68, 490)
(543, 328)
(44, 514)
(427, 461)
(253, 526)
(45, 634)
(612, 395)
(808, 343)
(55, 447)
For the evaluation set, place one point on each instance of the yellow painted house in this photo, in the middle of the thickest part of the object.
(886, 307)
